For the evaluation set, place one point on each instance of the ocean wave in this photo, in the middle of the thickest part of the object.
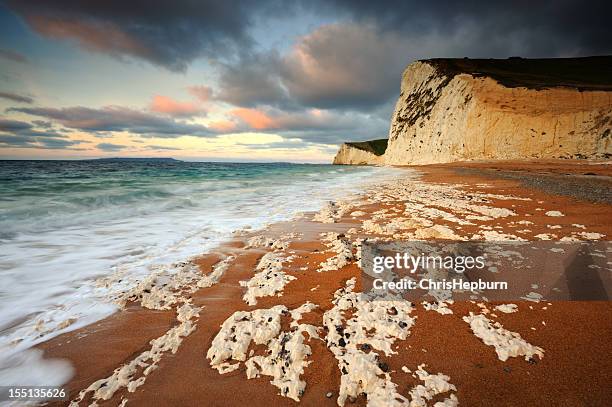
(57, 240)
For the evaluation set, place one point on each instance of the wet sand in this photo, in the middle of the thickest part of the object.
(576, 368)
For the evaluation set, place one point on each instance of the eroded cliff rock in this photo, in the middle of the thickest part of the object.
(457, 110)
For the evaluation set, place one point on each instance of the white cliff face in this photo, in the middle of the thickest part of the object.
(440, 119)
(352, 155)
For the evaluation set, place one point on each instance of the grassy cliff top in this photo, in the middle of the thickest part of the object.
(376, 147)
(588, 73)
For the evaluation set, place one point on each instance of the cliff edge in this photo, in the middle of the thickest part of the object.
(502, 109)
(462, 109)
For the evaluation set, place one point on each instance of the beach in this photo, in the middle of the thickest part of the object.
(174, 340)
(383, 204)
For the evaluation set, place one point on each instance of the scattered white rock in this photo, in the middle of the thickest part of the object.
(441, 307)
(591, 235)
(507, 308)
(533, 297)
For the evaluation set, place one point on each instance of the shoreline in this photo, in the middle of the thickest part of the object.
(186, 376)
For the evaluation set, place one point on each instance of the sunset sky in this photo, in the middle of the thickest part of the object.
(245, 80)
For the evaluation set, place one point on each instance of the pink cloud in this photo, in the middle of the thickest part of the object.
(256, 119)
(169, 106)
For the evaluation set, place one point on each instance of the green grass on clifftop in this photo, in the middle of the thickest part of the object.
(376, 147)
(588, 73)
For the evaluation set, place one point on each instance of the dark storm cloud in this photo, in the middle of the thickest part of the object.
(173, 33)
(357, 62)
(116, 118)
(253, 80)
(13, 97)
(166, 33)
(548, 28)
(332, 67)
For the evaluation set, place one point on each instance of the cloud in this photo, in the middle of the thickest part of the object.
(255, 119)
(13, 97)
(253, 80)
(110, 147)
(544, 28)
(312, 125)
(336, 66)
(202, 93)
(13, 56)
(332, 67)
(356, 62)
(117, 118)
(25, 129)
(285, 144)
(13, 125)
(171, 107)
(155, 147)
(173, 34)
(18, 134)
(164, 33)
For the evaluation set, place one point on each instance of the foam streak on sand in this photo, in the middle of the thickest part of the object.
(506, 343)
(133, 374)
(287, 353)
(375, 325)
(154, 293)
(343, 249)
(269, 281)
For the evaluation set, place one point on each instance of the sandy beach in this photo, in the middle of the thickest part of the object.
(157, 350)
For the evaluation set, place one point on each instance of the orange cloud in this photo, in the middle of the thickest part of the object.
(167, 105)
(255, 118)
(222, 126)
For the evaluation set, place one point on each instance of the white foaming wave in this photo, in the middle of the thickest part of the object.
(49, 278)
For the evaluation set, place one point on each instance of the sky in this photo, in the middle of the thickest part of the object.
(236, 80)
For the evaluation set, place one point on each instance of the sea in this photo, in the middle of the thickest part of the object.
(66, 224)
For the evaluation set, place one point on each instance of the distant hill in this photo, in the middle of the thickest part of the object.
(119, 159)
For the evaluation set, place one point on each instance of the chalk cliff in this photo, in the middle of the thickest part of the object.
(464, 109)
(362, 153)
